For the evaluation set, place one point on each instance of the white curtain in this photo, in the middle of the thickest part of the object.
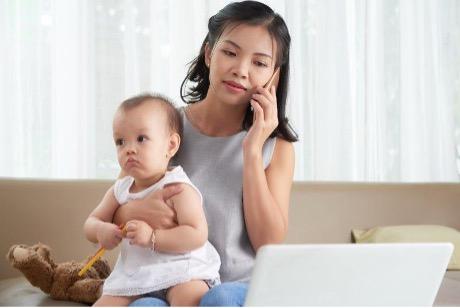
(374, 92)
(376, 84)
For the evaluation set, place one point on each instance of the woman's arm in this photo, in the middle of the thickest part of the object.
(153, 209)
(192, 230)
(266, 194)
(190, 234)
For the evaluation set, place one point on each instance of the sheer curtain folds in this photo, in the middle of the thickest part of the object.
(374, 92)
(375, 87)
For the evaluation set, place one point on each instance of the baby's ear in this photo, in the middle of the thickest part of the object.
(174, 143)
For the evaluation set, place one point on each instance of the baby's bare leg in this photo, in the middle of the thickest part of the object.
(120, 301)
(187, 293)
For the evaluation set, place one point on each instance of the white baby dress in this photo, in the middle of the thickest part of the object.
(141, 270)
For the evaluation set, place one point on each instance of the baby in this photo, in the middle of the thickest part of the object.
(177, 265)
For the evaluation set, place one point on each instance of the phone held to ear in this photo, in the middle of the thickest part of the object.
(272, 81)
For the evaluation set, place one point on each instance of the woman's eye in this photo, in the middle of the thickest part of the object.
(261, 64)
(229, 53)
(119, 142)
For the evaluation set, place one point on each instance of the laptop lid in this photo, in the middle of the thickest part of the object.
(348, 274)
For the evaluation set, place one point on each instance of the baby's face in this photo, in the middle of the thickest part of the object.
(141, 137)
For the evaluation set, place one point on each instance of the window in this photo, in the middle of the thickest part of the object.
(374, 92)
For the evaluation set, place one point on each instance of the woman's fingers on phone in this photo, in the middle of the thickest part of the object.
(258, 111)
(268, 92)
(267, 104)
(262, 103)
(262, 99)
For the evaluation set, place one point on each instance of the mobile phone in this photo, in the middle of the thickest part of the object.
(274, 79)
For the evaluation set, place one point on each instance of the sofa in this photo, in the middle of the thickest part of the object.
(53, 212)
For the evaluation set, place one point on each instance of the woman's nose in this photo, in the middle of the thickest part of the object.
(241, 70)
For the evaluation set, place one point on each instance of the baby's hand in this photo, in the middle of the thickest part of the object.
(139, 233)
(109, 235)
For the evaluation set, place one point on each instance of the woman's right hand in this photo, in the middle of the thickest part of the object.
(153, 209)
(108, 235)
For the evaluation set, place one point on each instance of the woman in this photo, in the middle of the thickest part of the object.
(237, 147)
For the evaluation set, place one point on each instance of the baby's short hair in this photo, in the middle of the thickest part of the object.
(174, 118)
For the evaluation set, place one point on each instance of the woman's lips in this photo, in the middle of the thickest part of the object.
(234, 87)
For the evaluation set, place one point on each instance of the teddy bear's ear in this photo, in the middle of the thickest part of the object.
(45, 252)
(9, 255)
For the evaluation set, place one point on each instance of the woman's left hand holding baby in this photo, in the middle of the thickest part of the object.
(139, 233)
(264, 104)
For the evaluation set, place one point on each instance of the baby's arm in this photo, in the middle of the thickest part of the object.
(192, 231)
(98, 226)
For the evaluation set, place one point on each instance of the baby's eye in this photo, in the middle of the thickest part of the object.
(141, 138)
(229, 53)
(119, 142)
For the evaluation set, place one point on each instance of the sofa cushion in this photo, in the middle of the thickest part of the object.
(449, 292)
(19, 292)
(412, 234)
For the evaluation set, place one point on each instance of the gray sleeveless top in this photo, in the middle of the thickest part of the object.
(215, 166)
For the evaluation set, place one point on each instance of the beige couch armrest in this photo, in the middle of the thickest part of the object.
(51, 212)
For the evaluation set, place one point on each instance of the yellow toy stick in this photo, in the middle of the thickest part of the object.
(96, 257)
(90, 263)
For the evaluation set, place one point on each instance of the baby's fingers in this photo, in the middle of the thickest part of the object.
(130, 234)
(118, 233)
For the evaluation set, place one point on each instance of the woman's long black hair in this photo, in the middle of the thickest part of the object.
(251, 13)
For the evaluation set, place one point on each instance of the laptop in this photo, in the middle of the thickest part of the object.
(348, 274)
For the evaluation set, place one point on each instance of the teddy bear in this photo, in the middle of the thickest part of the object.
(61, 280)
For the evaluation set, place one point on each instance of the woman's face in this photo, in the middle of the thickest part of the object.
(243, 58)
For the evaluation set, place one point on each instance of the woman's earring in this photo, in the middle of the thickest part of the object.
(166, 155)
